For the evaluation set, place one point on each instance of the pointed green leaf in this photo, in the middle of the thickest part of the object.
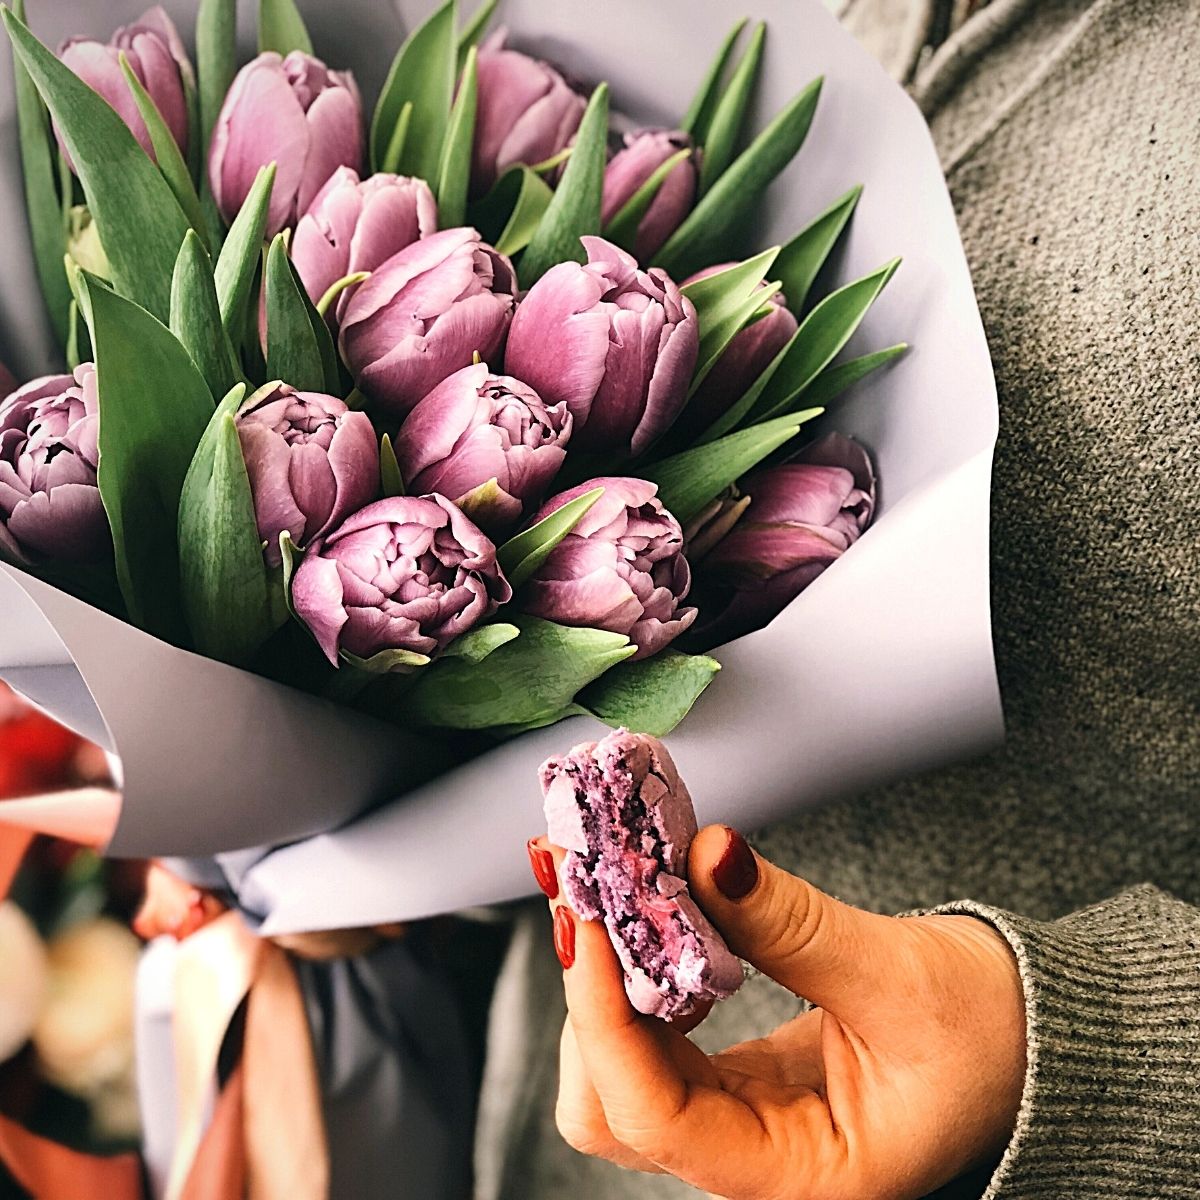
(520, 556)
(717, 342)
(689, 481)
(394, 154)
(386, 662)
(508, 216)
(476, 645)
(801, 259)
(281, 28)
(389, 468)
(574, 211)
(474, 30)
(833, 381)
(698, 117)
(652, 695)
(454, 170)
(216, 62)
(293, 354)
(484, 504)
(141, 223)
(622, 230)
(196, 317)
(154, 408)
(531, 679)
(703, 236)
(335, 289)
(79, 346)
(238, 262)
(729, 117)
(423, 74)
(42, 201)
(166, 150)
(820, 338)
(719, 295)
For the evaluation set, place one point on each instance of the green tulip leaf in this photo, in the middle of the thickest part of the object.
(477, 644)
(196, 318)
(574, 212)
(651, 695)
(719, 295)
(293, 353)
(481, 503)
(79, 346)
(281, 28)
(622, 230)
(154, 409)
(474, 30)
(238, 262)
(335, 289)
(140, 221)
(690, 480)
(704, 234)
(801, 259)
(700, 114)
(43, 208)
(423, 74)
(226, 583)
(216, 62)
(755, 306)
(454, 170)
(531, 679)
(394, 154)
(833, 381)
(521, 555)
(729, 116)
(386, 662)
(389, 468)
(509, 215)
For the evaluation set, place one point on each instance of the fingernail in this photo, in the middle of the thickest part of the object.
(564, 936)
(736, 871)
(542, 862)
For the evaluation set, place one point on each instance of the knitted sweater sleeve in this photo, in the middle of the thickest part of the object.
(1111, 1103)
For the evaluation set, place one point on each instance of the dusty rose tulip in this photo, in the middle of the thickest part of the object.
(746, 357)
(476, 427)
(802, 516)
(311, 462)
(424, 314)
(50, 506)
(622, 567)
(355, 226)
(294, 112)
(407, 573)
(527, 112)
(618, 344)
(631, 167)
(158, 59)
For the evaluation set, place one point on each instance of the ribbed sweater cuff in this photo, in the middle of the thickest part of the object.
(1111, 1103)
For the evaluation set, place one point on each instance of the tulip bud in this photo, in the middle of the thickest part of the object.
(644, 152)
(750, 353)
(803, 516)
(425, 314)
(621, 568)
(406, 573)
(294, 112)
(617, 344)
(354, 226)
(527, 112)
(311, 463)
(50, 505)
(476, 427)
(156, 56)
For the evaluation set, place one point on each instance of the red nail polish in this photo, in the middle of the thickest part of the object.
(542, 862)
(564, 936)
(736, 871)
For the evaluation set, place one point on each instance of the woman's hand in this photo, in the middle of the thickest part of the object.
(908, 1074)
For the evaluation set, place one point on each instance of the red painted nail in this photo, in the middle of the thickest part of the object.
(564, 936)
(736, 871)
(542, 862)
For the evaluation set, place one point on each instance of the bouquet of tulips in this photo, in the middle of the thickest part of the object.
(473, 416)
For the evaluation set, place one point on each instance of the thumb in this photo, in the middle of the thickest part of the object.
(840, 958)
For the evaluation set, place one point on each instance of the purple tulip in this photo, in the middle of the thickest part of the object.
(50, 505)
(156, 56)
(745, 358)
(407, 573)
(311, 462)
(618, 344)
(644, 152)
(424, 314)
(477, 427)
(803, 516)
(294, 112)
(354, 226)
(527, 112)
(621, 568)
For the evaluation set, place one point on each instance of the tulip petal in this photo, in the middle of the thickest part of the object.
(317, 599)
(667, 393)
(335, 139)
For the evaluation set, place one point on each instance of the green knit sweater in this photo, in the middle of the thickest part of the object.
(1070, 134)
